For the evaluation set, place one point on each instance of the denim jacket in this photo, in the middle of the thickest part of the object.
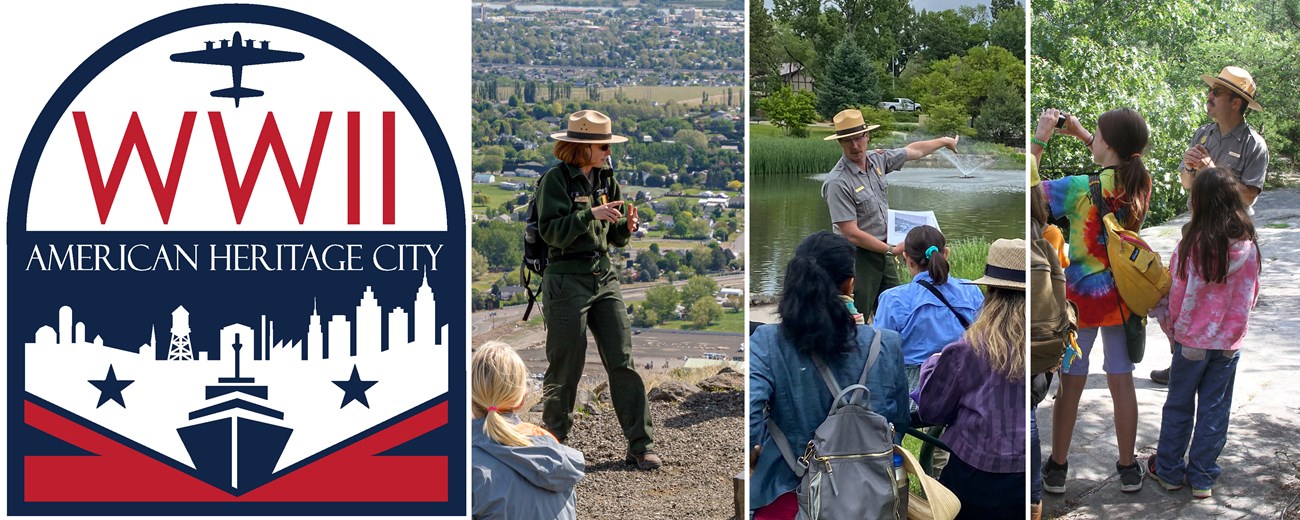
(785, 385)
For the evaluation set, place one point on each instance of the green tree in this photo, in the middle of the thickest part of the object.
(500, 242)
(696, 288)
(940, 34)
(850, 80)
(1008, 30)
(947, 119)
(705, 312)
(1002, 115)
(1088, 59)
(478, 265)
(646, 317)
(662, 299)
(692, 138)
(488, 163)
(792, 111)
(764, 56)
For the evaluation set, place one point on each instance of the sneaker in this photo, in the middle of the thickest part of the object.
(645, 461)
(1130, 477)
(1160, 377)
(1151, 472)
(1202, 493)
(1054, 476)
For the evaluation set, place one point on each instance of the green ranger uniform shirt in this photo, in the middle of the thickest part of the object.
(1241, 150)
(862, 196)
(578, 241)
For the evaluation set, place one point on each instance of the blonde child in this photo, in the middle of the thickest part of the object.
(519, 469)
(1215, 271)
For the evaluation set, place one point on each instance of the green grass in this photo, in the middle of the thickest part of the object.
(913, 445)
(966, 260)
(485, 285)
(730, 322)
(496, 196)
(772, 152)
(791, 154)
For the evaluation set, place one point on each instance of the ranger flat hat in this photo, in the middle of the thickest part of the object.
(589, 126)
(849, 123)
(1005, 266)
(1238, 81)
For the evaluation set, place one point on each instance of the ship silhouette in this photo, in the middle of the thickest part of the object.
(235, 441)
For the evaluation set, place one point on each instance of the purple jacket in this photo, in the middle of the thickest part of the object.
(985, 412)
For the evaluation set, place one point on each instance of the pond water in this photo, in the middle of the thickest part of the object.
(783, 209)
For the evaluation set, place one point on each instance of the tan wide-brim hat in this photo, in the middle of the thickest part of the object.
(1005, 266)
(849, 123)
(1238, 81)
(589, 126)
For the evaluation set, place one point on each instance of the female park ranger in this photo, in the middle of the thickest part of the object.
(581, 213)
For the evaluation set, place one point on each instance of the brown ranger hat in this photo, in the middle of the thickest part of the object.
(591, 127)
(1238, 81)
(849, 123)
(1005, 266)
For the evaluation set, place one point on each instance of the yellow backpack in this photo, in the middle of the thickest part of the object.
(1140, 277)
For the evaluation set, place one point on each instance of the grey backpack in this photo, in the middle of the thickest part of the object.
(847, 470)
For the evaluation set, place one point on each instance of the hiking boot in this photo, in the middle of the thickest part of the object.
(1202, 493)
(1160, 377)
(645, 461)
(1130, 477)
(1151, 472)
(1054, 476)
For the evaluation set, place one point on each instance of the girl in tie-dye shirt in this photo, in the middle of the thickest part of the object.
(1215, 270)
(1126, 187)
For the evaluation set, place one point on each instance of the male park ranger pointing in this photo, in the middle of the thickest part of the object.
(1228, 142)
(855, 191)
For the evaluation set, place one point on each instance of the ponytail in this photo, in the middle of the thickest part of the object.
(924, 246)
(1126, 132)
(813, 316)
(1134, 179)
(498, 384)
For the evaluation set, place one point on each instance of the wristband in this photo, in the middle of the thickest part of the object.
(1037, 141)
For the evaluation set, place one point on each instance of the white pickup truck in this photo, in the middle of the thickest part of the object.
(903, 104)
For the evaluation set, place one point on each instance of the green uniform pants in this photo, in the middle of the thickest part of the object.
(570, 304)
(874, 272)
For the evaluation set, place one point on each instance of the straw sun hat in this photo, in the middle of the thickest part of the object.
(849, 123)
(591, 127)
(1238, 81)
(1005, 266)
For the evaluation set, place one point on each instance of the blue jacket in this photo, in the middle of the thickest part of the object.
(529, 482)
(785, 384)
(923, 321)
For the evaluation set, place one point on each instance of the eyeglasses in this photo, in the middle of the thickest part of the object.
(852, 138)
(1218, 91)
(604, 147)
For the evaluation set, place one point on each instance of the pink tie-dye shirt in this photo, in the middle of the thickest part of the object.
(1212, 316)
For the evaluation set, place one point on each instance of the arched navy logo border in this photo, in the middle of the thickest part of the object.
(232, 13)
(19, 199)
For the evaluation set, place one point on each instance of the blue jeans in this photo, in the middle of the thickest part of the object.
(1202, 390)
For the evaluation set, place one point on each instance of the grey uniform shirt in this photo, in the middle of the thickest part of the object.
(1241, 150)
(862, 196)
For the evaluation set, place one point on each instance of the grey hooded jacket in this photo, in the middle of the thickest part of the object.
(531, 482)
